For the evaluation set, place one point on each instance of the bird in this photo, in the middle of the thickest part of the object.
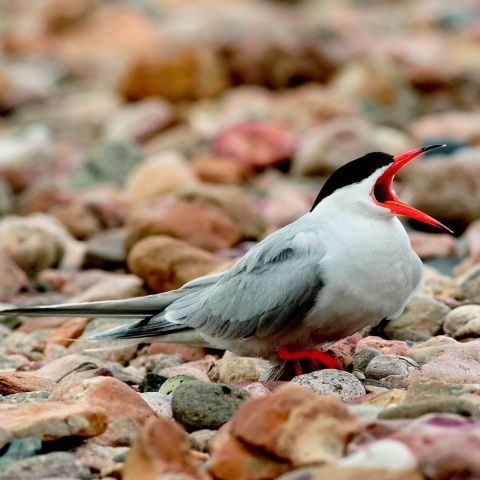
(344, 265)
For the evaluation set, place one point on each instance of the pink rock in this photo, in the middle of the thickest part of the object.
(184, 370)
(432, 245)
(260, 144)
(460, 366)
(256, 389)
(183, 352)
(345, 348)
(388, 347)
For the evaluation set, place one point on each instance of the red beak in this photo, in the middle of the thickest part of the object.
(384, 195)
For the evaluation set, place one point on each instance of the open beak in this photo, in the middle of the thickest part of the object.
(384, 195)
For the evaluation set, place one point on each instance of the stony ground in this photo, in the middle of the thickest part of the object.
(145, 143)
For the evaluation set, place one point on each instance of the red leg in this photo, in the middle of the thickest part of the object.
(316, 356)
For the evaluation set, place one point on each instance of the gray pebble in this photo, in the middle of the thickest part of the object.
(201, 405)
(362, 358)
(387, 365)
(327, 382)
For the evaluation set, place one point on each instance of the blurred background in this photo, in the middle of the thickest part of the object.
(215, 122)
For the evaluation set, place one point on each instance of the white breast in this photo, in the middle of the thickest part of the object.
(370, 272)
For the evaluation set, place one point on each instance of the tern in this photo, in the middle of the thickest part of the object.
(345, 265)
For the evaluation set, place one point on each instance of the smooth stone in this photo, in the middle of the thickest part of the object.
(386, 399)
(422, 407)
(434, 347)
(362, 358)
(422, 319)
(199, 440)
(235, 369)
(386, 454)
(25, 397)
(332, 382)
(19, 449)
(152, 382)
(382, 366)
(463, 321)
(468, 285)
(51, 465)
(172, 383)
(387, 347)
(201, 405)
(159, 403)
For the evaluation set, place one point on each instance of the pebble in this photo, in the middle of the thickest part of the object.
(463, 322)
(165, 263)
(332, 382)
(424, 351)
(51, 465)
(362, 358)
(127, 411)
(388, 347)
(172, 383)
(201, 405)
(53, 420)
(422, 319)
(235, 369)
(199, 440)
(160, 403)
(382, 366)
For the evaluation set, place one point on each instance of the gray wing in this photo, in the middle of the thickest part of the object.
(272, 286)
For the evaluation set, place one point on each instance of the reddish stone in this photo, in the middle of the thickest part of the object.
(295, 424)
(183, 352)
(220, 170)
(17, 382)
(162, 447)
(388, 347)
(66, 333)
(259, 144)
(126, 409)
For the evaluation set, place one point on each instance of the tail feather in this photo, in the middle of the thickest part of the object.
(128, 308)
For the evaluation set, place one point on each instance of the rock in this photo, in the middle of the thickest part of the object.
(66, 334)
(199, 405)
(162, 447)
(184, 352)
(163, 173)
(417, 409)
(468, 285)
(452, 458)
(28, 344)
(461, 126)
(197, 222)
(151, 382)
(235, 369)
(363, 357)
(13, 277)
(332, 382)
(50, 465)
(232, 459)
(185, 371)
(344, 349)
(255, 389)
(17, 382)
(172, 383)
(159, 403)
(434, 347)
(323, 149)
(295, 425)
(472, 236)
(199, 440)
(422, 319)
(447, 190)
(166, 263)
(108, 162)
(176, 73)
(352, 473)
(126, 409)
(19, 449)
(434, 283)
(433, 245)
(385, 454)
(418, 391)
(113, 287)
(106, 460)
(35, 242)
(459, 366)
(255, 143)
(388, 347)
(52, 420)
(140, 121)
(26, 154)
(107, 250)
(57, 370)
(25, 397)
(383, 366)
(463, 322)
(216, 169)
(387, 399)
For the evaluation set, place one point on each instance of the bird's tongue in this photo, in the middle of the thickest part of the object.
(393, 202)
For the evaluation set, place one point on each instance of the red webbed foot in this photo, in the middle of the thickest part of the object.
(317, 358)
